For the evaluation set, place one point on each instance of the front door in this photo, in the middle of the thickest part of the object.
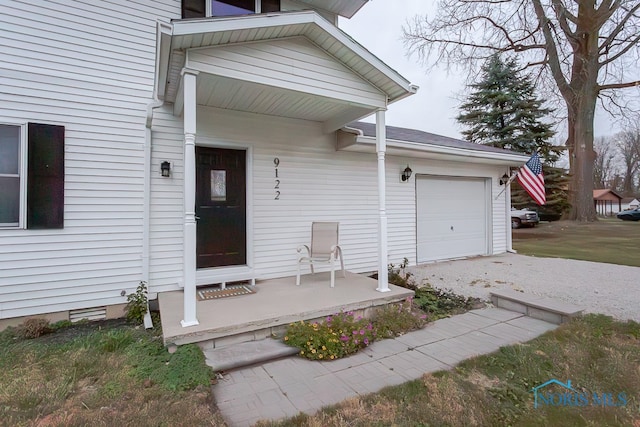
(221, 207)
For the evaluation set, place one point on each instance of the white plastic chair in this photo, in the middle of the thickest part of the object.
(324, 249)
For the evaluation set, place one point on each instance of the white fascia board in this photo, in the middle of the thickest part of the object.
(163, 53)
(510, 159)
(345, 8)
(186, 28)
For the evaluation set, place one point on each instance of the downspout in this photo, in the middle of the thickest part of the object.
(146, 207)
(507, 206)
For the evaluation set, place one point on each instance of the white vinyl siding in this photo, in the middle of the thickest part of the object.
(88, 66)
(294, 64)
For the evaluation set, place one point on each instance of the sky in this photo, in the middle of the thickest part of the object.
(378, 27)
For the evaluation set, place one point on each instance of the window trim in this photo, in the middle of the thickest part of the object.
(22, 175)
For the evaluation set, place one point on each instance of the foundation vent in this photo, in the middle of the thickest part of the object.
(95, 313)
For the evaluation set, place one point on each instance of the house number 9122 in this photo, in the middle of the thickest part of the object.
(276, 163)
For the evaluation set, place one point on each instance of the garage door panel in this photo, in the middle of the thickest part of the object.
(451, 217)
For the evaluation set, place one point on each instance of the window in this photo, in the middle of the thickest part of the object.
(202, 8)
(10, 175)
(232, 7)
(41, 176)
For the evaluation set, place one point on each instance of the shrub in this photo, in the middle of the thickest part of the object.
(34, 328)
(396, 319)
(338, 336)
(137, 303)
(442, 303)
(400, 277)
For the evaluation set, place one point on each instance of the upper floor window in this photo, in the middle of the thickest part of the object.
(202, 8)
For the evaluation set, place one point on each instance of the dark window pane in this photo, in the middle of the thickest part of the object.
(270, 6)
(232, 7)
(193, 8)
(9, 200)
(45, 176)
(9, 149)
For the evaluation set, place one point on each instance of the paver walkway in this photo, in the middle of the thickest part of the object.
(284, 388)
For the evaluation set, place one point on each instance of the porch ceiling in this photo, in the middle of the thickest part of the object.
(222, 90)
(232, 94)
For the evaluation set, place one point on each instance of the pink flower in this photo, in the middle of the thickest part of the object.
(366, 341)
(361, 331)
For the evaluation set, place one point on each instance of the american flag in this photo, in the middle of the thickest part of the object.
(531, 179)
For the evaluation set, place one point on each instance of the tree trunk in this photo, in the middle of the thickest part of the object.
(582, 159)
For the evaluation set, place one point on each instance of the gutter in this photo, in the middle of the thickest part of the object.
(439, 149)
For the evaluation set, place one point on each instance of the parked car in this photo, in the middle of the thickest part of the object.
(630, 215)
(521, 217)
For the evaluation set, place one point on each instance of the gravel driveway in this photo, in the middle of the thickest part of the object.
(598, 287)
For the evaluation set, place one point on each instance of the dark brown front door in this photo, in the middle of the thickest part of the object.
(221, 207)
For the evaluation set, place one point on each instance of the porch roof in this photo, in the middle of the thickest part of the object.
(361, 137)
(176, 39)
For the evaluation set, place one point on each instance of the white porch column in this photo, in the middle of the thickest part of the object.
(381, 148)
(189, 266)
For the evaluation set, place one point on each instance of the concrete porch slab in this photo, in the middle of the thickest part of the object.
(276, 303)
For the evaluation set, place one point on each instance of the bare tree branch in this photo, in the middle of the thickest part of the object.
(614, 33)
(552, 51)
(618, 85)
(630, 45)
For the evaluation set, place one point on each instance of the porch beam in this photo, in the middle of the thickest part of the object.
(381, 147)
(189, 260)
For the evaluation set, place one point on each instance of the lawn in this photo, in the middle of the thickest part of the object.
(102, 374)
(597, 354)
(608, 240)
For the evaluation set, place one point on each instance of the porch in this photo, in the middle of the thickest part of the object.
(275, 304)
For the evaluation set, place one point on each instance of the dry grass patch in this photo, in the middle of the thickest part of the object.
(102, 374)
(607, 240)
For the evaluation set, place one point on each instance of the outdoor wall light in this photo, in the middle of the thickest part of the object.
(165, 169)
(406, 173)
(504, 179)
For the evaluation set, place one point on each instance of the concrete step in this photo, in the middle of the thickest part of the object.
(247, 353)
(542, 308)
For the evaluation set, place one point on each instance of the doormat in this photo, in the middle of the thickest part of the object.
(229, 291)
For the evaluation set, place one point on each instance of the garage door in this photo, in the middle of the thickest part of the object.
(451, 217)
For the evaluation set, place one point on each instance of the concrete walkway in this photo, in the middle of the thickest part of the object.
(284, 388)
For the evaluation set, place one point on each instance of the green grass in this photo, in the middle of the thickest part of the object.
(105, 373)
(598, 355)
(608, 240)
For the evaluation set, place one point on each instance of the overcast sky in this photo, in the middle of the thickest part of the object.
(378, 27)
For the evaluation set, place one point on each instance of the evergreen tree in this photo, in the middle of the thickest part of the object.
(503, 111)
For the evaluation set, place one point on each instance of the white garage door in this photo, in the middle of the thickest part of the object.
(451, 217)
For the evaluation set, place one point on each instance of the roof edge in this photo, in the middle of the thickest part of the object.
(441, 149)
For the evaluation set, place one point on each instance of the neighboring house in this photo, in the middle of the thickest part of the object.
(139, 146)
(607, 202)
(629, 203)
